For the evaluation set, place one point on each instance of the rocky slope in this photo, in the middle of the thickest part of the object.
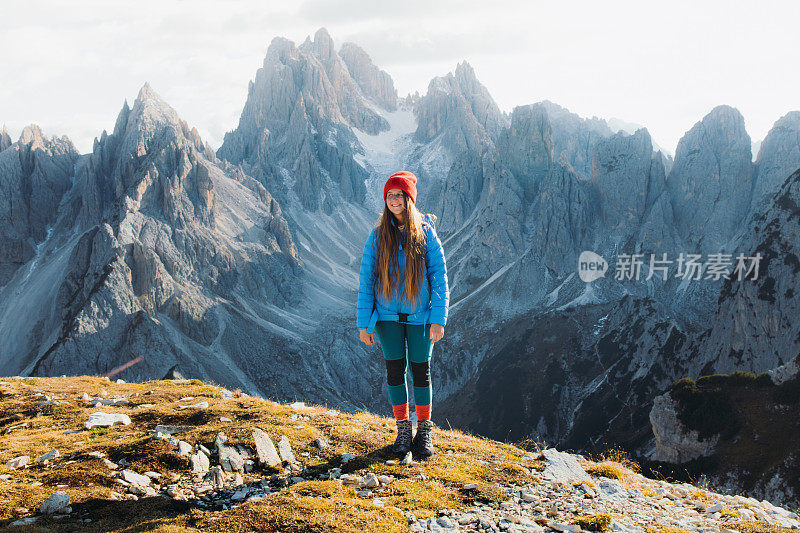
(185, 456)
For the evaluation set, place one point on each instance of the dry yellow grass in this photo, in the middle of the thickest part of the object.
(309, 506)
(662, 529)
(594, 522)
(606, 469)
(758, 527)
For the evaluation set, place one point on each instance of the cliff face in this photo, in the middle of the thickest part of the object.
(719, 425)
(711, 183)
(36, 173)
(374, 82)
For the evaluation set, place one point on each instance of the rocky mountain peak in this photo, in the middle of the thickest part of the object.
(374, 82)
(150, 110)
(153, 120)
(295, 125)
(458, 107)
(779, 155)
(35, 173)
(465, 73)
(322, 45)
(279, 49)
(32, 135)
(5, 139)
(711, 181)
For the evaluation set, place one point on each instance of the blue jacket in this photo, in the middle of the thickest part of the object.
(431, 307)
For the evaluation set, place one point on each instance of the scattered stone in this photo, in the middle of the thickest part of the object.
(320, 443)
(225, 419)
(347, 457)
(240, 494)
(370, 481)
(172, 430)
(101, 419)
(216, 477)
(15, 427)
(58, 502)
(300, 406)
(18, 462)
(229, 458)
(285, 449)
(184, 448)
(49, 456)
(562, 467)
(565, 528)
(198, 405)
(467, 518)
(265, 449)
(28, 520)
(135, 479)
(200, 462)
(112, 402)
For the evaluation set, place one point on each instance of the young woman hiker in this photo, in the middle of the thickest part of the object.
(402, 298)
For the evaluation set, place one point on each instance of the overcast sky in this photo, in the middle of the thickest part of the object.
(68, 66)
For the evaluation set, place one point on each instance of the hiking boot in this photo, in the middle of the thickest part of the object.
(423, 442)
(402, 444)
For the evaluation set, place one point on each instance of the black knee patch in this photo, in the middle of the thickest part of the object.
(396, 371)
(421, 372)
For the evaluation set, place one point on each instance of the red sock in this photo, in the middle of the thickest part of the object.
(423, 412)
(400, 411)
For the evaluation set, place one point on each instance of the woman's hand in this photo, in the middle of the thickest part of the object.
(367, 338)
(437, 332)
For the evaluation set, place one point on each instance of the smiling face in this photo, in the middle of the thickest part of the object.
(396, 202)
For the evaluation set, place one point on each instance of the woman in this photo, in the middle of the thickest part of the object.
(403, 297)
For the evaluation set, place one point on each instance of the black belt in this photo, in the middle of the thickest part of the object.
(403, 318)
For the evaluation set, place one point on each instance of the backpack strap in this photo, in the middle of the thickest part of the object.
(431, 219)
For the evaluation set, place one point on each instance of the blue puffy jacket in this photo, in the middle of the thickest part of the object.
(431, 307)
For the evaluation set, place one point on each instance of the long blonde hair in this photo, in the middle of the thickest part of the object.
(387, 266)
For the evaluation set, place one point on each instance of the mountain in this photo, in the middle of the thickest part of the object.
(241, 266)
(160, 250)
(36, 174)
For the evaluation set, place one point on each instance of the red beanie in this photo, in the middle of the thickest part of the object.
(402, 180)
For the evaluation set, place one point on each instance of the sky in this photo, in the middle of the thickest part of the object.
(69, 66)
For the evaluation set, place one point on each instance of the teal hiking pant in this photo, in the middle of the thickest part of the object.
(402, 343)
